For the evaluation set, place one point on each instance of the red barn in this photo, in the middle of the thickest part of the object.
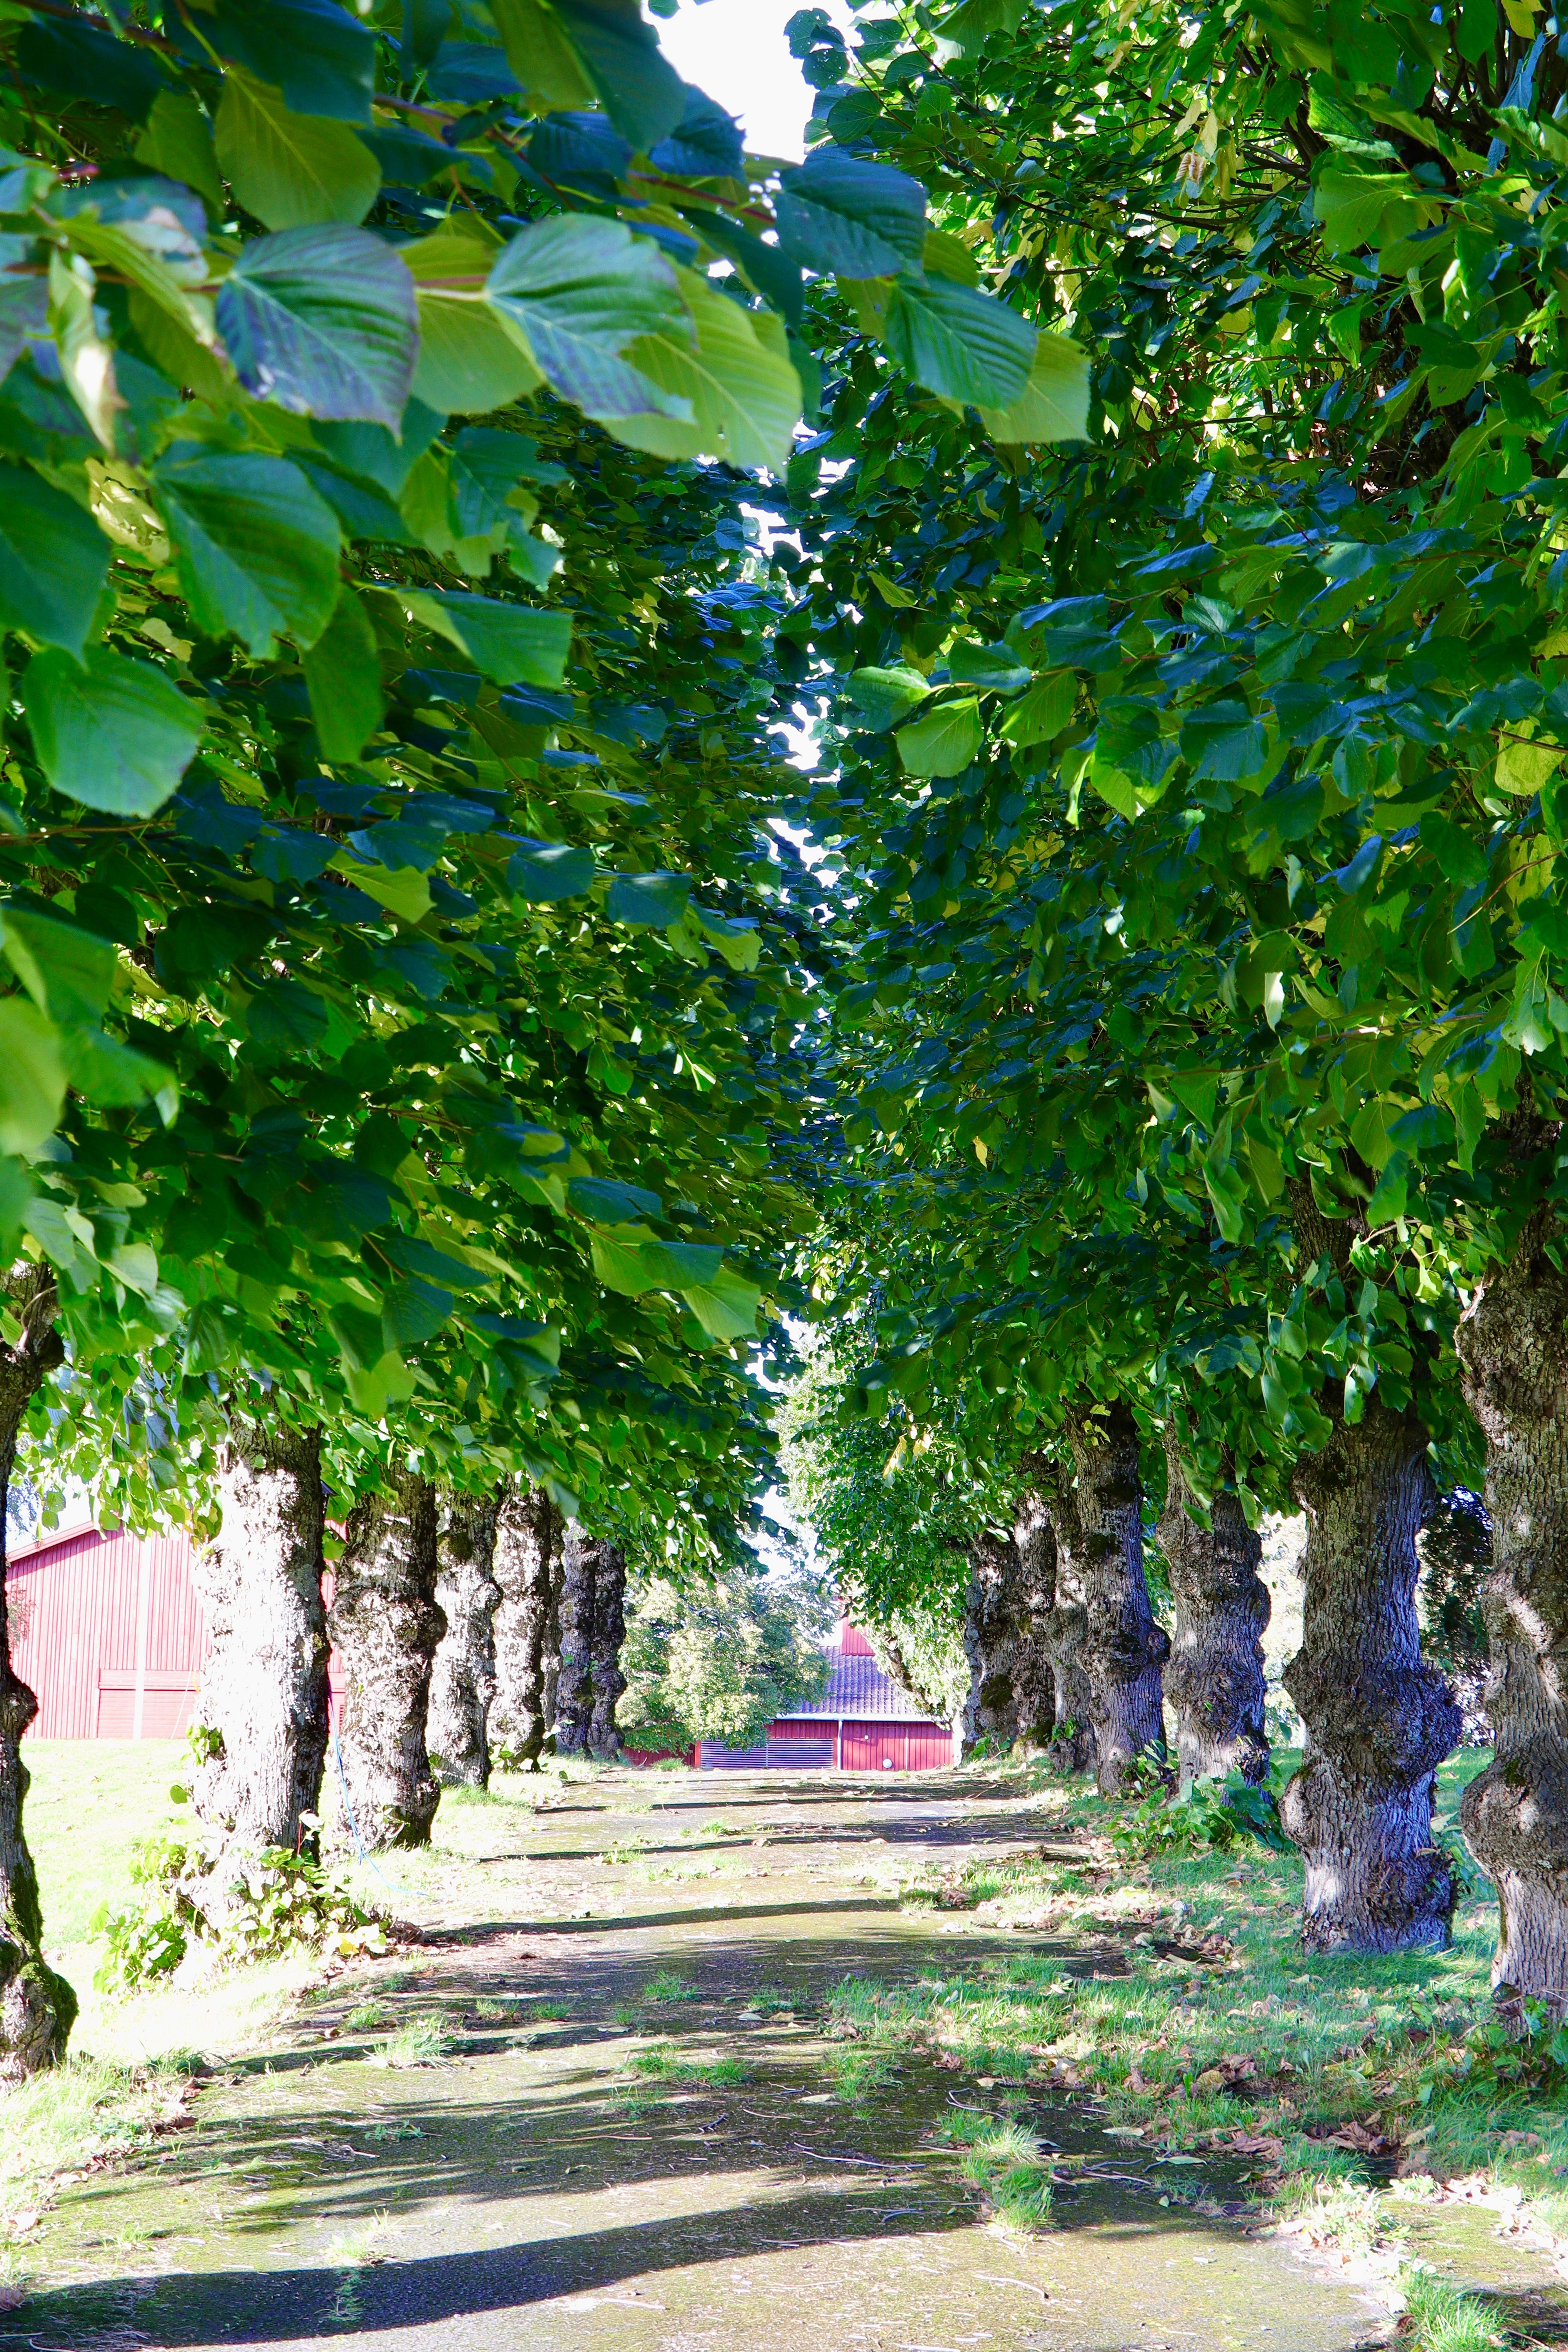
(106, 1628)
(862, 1723)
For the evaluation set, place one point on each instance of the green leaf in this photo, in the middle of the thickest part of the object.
(256, 549)
(54, 562)
(402, 890)
(470, 360)
(944, 741)
(178, 139)
(512, 643)
(111, 733)
(319, 55)
(1227, 1190)
(323, 321)
(657, 901)
(632, 1260)
(32, 1077)
(66, 971)
(883, 696)
(541, 871)
(1463, 860)
(540, 53)
(1524, 768)
(726, 1306)
(1044, 710)
(1369, 1130)
(413, 1311)
(1054, 403)
(764, 269)
(736, 379)
(579, 289)
(736, 940)
(612, 1203)
(996, 667)
(635, 83)
(959, 343)
(290, 170)
(342, 678)
(839, 215)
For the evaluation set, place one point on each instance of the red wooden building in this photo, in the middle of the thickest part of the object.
(862, 1723)
(107, 1629)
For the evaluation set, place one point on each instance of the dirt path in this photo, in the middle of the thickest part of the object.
(551, 2180)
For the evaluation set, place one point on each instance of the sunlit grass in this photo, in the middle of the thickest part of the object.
(1441, 2318)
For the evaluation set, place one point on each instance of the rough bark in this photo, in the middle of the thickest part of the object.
(574, 1686)
(463, 1674)
(990, 1640)
(555, 1571)
(385, 1625)
(1107, 1631)
(527, 1531)
(37, 2008)
(609, 1633)
(1214, 1679)
(1039, 1688)
(1379, 1721)
(264, 1689)
(1514, 1349)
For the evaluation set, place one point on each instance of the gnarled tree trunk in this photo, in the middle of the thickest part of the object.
(1042, 1672)
(1513, 1347)
(37, 2008)
(1214, 1679)
(1379, 1722)
(555, 1571)
(264, 1689)
(575, 1687)
(463, 1673)
(990, 1639)
(1112, 1639)
(527, 1531)
(609, 1633)
(385, 1625)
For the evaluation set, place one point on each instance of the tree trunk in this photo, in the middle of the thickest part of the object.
(1037, 1685)
(385, 1625)
(463, 1676)
(609, 1633)
(555, 1571)
(1513, 1348)
(264, 1689)
(526, 1531)
(575, 1688)
(1379, 1722)
(991, 1638)
(1214, 1679)
(1100, 1573)
(37, 2008)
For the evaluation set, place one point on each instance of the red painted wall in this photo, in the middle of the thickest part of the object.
(901, 1747)
(92, 1615)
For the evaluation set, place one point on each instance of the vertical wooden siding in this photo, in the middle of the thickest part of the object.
(78, 1608)
(903, 1747)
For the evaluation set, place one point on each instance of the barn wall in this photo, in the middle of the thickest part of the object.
(107, 1629)
(905, 1747)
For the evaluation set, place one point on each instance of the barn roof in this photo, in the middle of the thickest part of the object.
(857, 1687)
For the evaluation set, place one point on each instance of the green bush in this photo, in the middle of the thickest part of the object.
(1211, 1815)
(247, 1907)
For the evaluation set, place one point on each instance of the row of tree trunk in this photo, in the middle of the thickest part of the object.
(1064, 1649)
(463, 1626)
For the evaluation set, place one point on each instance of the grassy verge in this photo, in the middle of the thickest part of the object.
(1169, 1990)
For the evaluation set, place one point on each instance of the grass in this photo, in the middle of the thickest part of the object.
(83, 2111)
(661, 2061)
(1207, 2024)
(422, 2042)
(1441, 2318)
(668, 1985)
(1003, 2158)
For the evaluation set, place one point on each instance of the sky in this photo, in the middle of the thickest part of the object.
(736, 51)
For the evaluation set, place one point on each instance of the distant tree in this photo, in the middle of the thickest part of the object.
(720, 1662)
